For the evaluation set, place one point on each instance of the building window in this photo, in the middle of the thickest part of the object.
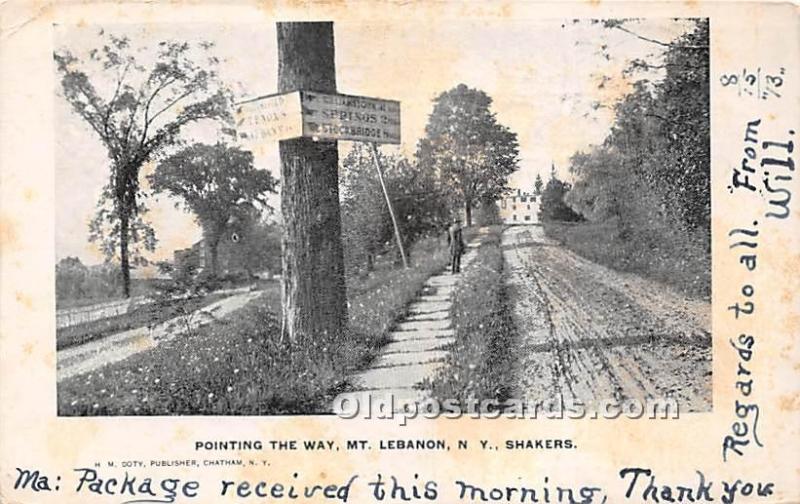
(513, 207)
(513, 199)
(528, 217)
(503, 203)
(529, 206)
(514, 216)
(523, 199)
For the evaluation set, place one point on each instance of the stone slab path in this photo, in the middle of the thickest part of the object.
(418, 344)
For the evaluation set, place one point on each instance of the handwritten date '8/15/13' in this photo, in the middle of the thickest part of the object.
(757, 83)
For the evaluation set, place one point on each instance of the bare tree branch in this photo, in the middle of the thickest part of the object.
(654, 41)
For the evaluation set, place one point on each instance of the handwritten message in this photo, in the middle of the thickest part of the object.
(761, 179)
(639, 484)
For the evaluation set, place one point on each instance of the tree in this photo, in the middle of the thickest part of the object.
(470, 151)
(314, 292)
(538, 184)
(662, 127)
(366, 224)
(658, 147)
(488, 213)
(70, 277)
(603, 187)
(75, 281)
(552, 207)
(420, 201)
(218, 184)
(259, 246)
(148, 106)
(683, 117)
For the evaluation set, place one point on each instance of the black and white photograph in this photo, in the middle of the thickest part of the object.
(489, 216)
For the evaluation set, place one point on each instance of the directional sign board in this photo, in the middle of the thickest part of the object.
(345, 117)
(320, 116)
(273, 117)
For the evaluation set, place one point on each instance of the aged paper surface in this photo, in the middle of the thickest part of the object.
(81, 424)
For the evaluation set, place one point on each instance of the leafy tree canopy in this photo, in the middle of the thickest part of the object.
(137, 103)
(652, 172)
(419, 204)
(470, 151)
(217, 183)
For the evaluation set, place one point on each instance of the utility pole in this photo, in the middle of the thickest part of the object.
(314, 295)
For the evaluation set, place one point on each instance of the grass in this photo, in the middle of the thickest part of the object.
(140, 316)
(375, 302)
(239, 366)
(481, 361)
(677, 258)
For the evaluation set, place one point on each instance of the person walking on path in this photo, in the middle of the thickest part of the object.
(456, 242)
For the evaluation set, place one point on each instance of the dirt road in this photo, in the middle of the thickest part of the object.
(95, 354)
(591, 333)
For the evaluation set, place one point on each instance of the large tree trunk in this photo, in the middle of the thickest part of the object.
(215, 259)
(212, 235)
(125, 194)
(124, 236)
(212, 257)
(468, 212)
(313, 296)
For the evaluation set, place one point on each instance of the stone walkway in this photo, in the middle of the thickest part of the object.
(418, 343)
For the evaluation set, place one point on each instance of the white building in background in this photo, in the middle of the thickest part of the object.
(519, 208)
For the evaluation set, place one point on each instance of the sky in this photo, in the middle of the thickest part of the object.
(542, 75)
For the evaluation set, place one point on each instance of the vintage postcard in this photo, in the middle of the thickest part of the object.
(377, 251)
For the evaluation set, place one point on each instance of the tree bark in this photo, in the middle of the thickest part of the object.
(125, 194)
(212, 257)
(468, 212)
(212, 235)
(314, 297)
(124, 235)
(215, 259)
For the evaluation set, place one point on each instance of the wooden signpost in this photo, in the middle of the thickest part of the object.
(344, 117)
(307, 117)
(269, 118)
(321, 116)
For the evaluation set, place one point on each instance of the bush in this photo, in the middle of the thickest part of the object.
(666, 254)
